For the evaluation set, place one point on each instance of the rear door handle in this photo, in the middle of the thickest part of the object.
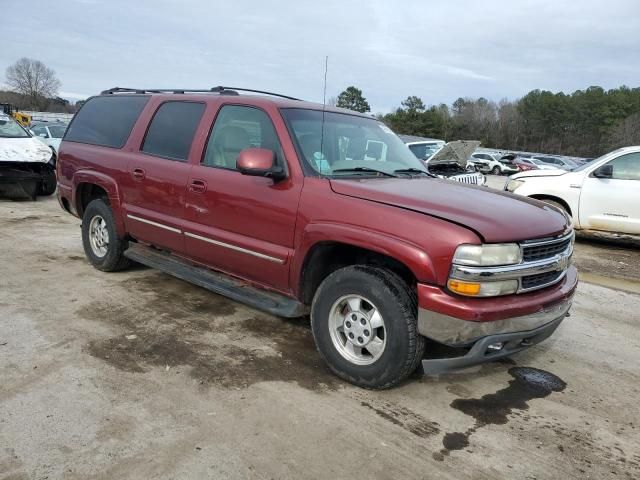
(198, 186)
(138, 174)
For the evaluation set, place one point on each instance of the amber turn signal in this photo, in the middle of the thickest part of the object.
(464, 288)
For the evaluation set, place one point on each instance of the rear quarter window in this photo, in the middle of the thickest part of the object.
(106, 121)
(172, 130)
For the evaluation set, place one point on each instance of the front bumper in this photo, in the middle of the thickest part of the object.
(460, 333)
(481, 351)
(21, 179)
(508, 324)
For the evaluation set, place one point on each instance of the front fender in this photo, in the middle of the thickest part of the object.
(411, 255)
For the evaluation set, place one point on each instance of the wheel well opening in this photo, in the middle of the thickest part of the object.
(555, 199)
(88, 192)
(326, 258)
(65, 204)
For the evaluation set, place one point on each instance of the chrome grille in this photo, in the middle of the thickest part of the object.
(547, 249)
(540, 280)
(472, 179)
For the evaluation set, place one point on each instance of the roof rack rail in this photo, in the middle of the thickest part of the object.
(219, 90)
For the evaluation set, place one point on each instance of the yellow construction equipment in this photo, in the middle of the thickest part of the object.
(22, 118)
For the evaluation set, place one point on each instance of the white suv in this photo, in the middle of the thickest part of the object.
(490, 163)
(602, 195)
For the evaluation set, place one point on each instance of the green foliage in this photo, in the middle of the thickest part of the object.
(585, 123)
(353, 99)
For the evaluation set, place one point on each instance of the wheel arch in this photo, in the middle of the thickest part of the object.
(89, 186)
(561, 201)
(338, 247)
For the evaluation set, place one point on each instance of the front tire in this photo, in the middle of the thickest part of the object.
(48, 184)
(364, 323)
(102, 246)
(496, 170)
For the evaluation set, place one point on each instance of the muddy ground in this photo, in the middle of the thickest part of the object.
(138, 375)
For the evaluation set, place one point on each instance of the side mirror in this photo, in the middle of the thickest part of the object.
(259, 162)
(605, 171)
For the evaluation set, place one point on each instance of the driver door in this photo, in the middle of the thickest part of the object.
(613, 204)
(239, 224)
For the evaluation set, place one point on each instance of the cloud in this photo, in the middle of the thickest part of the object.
(439, 50)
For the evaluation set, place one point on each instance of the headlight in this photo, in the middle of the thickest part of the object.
(488, 255)
(483, 289)
(512, 184)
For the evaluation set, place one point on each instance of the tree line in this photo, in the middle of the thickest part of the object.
(584, 123)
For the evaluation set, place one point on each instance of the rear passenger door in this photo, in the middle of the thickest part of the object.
(240, 224)
(155, 186)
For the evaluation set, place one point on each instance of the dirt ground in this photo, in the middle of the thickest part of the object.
(138, 375)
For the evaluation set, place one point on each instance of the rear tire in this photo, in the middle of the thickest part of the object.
(102, 246)
(496, 170)
(379, 310)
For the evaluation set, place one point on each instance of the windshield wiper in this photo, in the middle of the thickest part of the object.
(365, 170)
(414, 170)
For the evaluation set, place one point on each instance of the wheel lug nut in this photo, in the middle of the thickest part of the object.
(348, 324)
(353, 316)
(351, 336)
(366, 333)
(360, 340)
(363, 321)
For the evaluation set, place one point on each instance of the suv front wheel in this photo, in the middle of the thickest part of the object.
(102, 246)
(364, 324)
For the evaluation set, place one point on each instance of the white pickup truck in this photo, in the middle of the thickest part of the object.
(602, 195)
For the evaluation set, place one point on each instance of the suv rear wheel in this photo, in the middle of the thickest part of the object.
(102, 246)
(364, 324)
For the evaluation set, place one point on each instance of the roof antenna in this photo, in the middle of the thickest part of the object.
(324, 104)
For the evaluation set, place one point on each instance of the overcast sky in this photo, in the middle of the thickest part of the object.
(438, 50)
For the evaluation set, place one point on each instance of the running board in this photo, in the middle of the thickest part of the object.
(217, 282)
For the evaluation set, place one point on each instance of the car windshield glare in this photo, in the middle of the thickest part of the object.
(9, 128)
(338, 145)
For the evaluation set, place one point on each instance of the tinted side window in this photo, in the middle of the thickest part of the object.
(107, 120)
(626, 167)
(236, 128)
(172, 129)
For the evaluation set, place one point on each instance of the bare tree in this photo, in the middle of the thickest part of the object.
(33, 79)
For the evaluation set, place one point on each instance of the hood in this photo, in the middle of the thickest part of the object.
(458, 151)
(26, 149)
(494, 215)
(552, 172)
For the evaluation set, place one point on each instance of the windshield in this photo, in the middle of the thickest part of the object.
(424, 151)
(57, 131)
(348, 144)
(9, 128)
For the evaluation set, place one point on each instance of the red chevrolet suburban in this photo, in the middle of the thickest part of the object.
(295, 208)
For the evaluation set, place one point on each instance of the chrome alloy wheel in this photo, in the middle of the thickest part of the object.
(98, 236)
(357, 329)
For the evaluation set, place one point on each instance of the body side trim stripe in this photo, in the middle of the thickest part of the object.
(235, 247)
(155, 224)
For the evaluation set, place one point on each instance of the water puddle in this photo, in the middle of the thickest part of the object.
(495, 408)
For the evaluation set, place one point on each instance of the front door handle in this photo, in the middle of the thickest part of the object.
(198, 186)
(138, 174)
